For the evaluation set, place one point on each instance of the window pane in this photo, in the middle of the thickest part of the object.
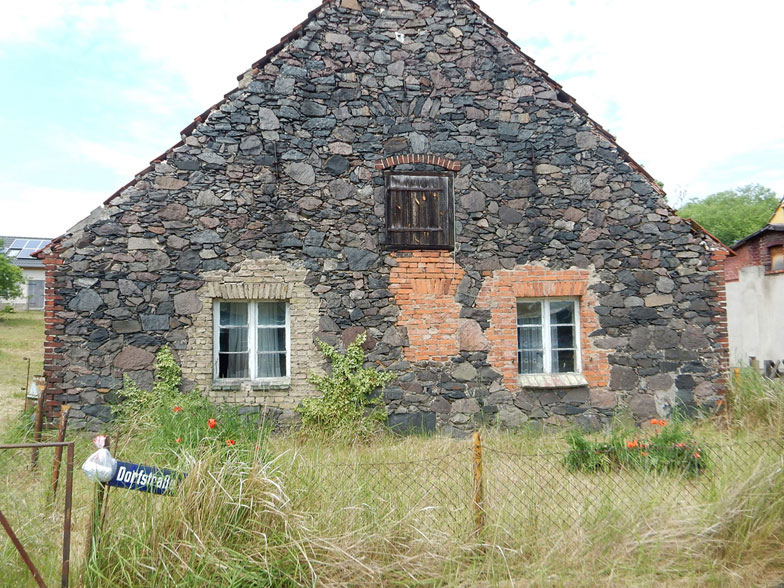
(531, 362)
(271, 339)
(563, 361)
(529, 313)
(271, 365)
(232, 365)
(272, 313)
(233, 339)
(562, 337)
(233, 314)
(562, 312)
(529, 338)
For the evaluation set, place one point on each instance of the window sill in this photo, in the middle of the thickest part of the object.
(552, 380)
(268, 384)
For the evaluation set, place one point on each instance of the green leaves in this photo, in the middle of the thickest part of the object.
(347, 404)
(733, 214)
(11, 278)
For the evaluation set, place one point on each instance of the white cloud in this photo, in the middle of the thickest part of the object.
(43, 211)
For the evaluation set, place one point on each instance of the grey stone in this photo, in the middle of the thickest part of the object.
(86, 300)
(302, 173)
(360, 259)
(464, 372)
(465, 406)
(643, 407)
(133, 358)
(155, 322)
(509, 215)
(412, 422)
(187, 303)
(267, 120)
(473, 201)
(623, 378)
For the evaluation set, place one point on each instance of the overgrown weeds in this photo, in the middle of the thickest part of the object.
(756, 402)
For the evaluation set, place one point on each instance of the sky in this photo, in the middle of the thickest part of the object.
(92, 90)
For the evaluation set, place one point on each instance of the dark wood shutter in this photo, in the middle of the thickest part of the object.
(419, 211)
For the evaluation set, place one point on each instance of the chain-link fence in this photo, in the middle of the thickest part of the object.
(509, 492)
(35, 512)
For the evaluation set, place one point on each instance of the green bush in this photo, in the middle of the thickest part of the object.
(347, 404)
(669, 448)
(168, 419)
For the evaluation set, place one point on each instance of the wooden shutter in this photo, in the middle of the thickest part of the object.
(419, 211)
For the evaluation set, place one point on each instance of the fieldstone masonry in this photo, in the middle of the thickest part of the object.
(278, 191)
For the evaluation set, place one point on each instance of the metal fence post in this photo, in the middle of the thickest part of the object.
(479, 510)
(58, 451)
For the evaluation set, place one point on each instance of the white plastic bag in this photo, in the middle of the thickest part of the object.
(100, 466)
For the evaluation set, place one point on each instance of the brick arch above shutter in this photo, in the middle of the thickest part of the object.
(426, 158)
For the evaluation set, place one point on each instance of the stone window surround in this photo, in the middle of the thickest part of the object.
(554, 379)
(256, 279)
(279, 382)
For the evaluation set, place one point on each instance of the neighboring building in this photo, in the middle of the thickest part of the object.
(755, 297)
(399, 168)
(20, 250)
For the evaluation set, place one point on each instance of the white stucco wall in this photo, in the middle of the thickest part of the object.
(755, 316)
(21, 303)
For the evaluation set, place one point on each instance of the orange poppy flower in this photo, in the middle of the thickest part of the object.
(229, 442)
(662, 423)
(654, 421)
(211, 423)
(179, 439)
(177, 408)
(696, 456)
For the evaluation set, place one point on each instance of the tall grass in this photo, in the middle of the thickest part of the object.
(755, 402)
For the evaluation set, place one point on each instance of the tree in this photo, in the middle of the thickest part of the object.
(733, 214)
(11, 278)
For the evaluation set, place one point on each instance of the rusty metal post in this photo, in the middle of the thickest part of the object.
(479, 491)
(20, 548)
(69, 464)
(58, 451)
(39, 422)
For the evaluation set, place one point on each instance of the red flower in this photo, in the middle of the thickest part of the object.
(632, 444)
(211, 423)
(229, 442)
(177, 408)
(654, 421)
(662, 423)
(696, 456)
(179, 439)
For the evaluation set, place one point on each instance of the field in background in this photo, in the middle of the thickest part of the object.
(21, 335)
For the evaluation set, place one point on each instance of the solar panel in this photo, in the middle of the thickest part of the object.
(18, 244)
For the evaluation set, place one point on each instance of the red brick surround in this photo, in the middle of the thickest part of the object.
(426, 158)
(53, 328)
(500, 293)
(424, 285)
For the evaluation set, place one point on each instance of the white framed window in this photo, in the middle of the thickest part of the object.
(251, 340)
(548, 336)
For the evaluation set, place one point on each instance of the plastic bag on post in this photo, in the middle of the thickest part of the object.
(100, 466)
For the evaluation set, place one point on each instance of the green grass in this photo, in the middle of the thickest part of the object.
(21, 335)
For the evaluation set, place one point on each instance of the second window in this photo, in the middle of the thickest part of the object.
(548, 336)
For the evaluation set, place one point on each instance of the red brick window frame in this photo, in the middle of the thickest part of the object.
(500, 294)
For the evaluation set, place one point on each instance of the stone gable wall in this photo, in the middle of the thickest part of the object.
(290, 165)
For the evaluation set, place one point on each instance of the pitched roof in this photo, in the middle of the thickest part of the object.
(21, 250)
(299, 30)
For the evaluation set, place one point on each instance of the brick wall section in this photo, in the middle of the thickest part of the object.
(255, 279)
(719, 259)
(500, 293)
(754, 252)
(424, 284)
(427, 159)
(54, 327)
